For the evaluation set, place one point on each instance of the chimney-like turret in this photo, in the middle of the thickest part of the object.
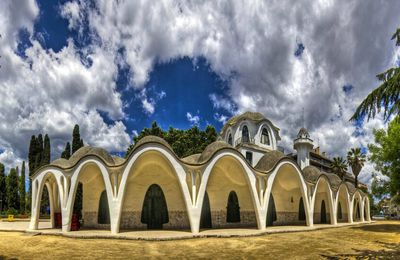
(303, 145)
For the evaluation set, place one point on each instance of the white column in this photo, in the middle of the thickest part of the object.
(34, 207)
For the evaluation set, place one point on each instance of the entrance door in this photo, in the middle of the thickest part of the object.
(339, 212)
(233, 209)
(323, 213)
(154, 210)
(104, 212)
(271, 212)
(302, 212)
(205, 219)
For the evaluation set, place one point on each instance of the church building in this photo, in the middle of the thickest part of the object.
(241, 180)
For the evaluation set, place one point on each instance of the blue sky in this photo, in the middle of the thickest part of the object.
(114, 67)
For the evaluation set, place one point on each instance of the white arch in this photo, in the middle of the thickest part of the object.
(272, 138)
(347, 195)
(178, 169)
(67, 210)
(324, 180)
(249, 176)
(367, 208)
(361, 206)
(38, 183)
(302, 185)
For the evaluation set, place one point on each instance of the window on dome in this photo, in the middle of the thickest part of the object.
(265, 137)
(245, 134)
(230, 141)
(249, 157)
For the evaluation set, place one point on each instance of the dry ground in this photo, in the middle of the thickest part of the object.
(380, 239)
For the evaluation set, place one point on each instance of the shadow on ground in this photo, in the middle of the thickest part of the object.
(386, 228)
(391, 251)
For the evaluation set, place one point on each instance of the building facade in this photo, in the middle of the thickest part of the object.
(240, 180)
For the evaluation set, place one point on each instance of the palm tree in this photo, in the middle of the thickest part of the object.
(339, 166)
(387, 95)
(356, 160)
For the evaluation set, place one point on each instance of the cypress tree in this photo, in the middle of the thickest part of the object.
(39, 152)
(46, 151)
(66, 154)
(12, 190)
(22, 203)
(76, 139)
(32, 155)
(3, 189)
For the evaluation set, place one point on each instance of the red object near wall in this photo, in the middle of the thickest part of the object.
(75, 222)
(57, 220)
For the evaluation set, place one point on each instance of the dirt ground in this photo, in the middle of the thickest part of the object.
(377, 240)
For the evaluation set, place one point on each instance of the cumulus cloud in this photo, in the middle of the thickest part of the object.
(193, 119)
(49, 91)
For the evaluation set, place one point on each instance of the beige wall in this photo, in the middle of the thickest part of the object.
(226, 176)
(153, 168)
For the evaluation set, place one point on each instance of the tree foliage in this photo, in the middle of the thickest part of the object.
(339, 166)
(66, 154)
(12, 189)
(386, 96)
(183, 142)
(77, 142)
(356, 160)
(22, 203)
(3, 188)
(385, 154)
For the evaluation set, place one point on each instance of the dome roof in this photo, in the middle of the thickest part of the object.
(303, 133)
(152, 139)
(88, 150)
(211, 149)
(61, 162)
(268, 161)
(252, 116)
(311, 173)
(351, 187)
(334, 180)
(192, 159)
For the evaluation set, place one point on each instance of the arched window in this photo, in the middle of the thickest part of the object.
(230, 141)
(265, 137)
(154, 210)
(245, 134)
(233, 209)
(103, 216)
(302, 212)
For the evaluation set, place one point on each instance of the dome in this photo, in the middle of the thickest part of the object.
(311, 173)
(252, 116)
(351, 187)
(303, 133)
(268, 161)
(87, 150)
(334, 180)
(152, 139)
(192, 159)
(61, 162)
(211, 149)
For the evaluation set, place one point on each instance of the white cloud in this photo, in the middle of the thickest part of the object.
(193, 119)
(223, 103)
(220, 118)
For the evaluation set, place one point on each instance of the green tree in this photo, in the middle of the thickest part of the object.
(22, 203)
(46, 151)
(66, 154)
(3, 188)
(356, 160)
(387, 95)
(39, 152)
(183, 142)
(77, 142)
(385, 154)
(339, 166)
(12, 190)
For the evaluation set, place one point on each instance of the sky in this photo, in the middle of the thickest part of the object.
(114, 67)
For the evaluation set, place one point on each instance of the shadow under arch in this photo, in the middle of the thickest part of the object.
(343, 200)
(236, 176)
(322, 202)
(287, 186)
(153, 164)
(367, 213)
(90, 172)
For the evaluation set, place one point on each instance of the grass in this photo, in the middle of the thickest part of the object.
(380, 239)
